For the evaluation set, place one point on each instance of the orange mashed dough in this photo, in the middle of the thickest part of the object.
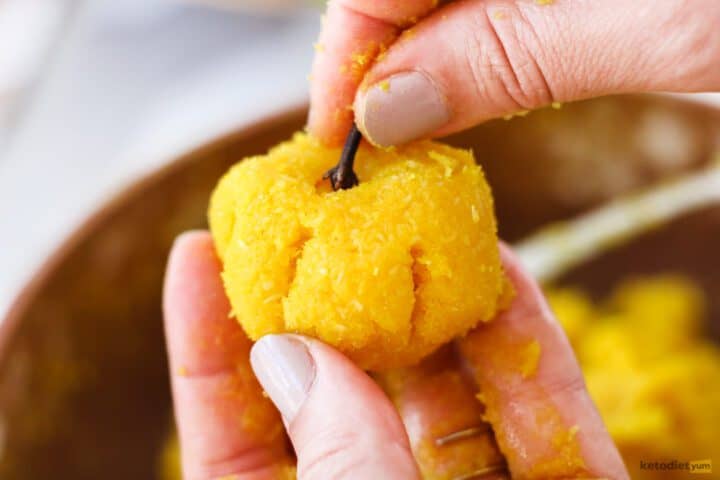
(386, 271)
(652, 372)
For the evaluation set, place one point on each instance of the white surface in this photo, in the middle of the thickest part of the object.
(135, 82)
(29, 28)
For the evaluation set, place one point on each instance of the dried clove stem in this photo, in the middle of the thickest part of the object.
(342, 175)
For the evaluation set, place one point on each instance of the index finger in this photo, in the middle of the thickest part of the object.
(545, 423)
(226, 425)
(354, 33)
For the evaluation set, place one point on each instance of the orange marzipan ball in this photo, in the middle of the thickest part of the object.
(386, 271)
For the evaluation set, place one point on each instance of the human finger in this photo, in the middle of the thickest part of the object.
(474, 60)
(341, 424)
(544, 421)
(225, 424)
(354, 33)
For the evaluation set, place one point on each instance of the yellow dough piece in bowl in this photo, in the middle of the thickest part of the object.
(386, 271)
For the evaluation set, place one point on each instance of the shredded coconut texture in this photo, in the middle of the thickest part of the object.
(386, 271)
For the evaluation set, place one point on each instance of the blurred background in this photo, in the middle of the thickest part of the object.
(93, 93)
(145, 103)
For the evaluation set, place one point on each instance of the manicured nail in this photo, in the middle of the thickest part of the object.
(285, 370)
(404, 107)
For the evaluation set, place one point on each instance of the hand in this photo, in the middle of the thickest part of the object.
(341, 424)
(469, 61)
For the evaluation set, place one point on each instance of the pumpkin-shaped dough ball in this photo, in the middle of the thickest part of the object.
(386, 271)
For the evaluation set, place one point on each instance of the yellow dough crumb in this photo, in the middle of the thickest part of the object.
(169, 460)
(530, 355)
(520, 113)
(651, 371)
(386, 271)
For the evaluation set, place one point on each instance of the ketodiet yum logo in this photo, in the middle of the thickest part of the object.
(690, 466)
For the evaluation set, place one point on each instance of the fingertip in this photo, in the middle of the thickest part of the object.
(507, 254)
(337, 417)
(191, 251)
(188, 242)
(402, 13)
(400, 108)
(348, 44)
(343, 388)
(286, 370)
(328, 127)
(192, 236)
(296, 370)
(192, 265)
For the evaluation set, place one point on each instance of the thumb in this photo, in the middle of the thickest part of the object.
(339, 421)
(477, 59)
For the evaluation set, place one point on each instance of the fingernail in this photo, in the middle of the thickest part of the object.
(285, 370)
(401, 108)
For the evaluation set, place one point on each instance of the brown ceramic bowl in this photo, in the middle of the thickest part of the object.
(83, 382)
